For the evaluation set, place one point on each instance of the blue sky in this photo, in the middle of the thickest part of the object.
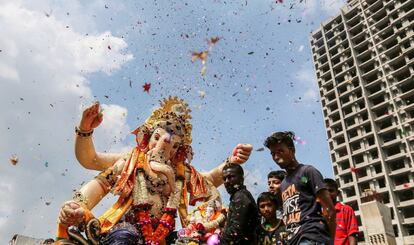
(259, 79)
(247, 96)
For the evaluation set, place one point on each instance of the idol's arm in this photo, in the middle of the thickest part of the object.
(84, 147)
(91, 193)
(73, 212)
(88, 157)
(215, 176)
(240, 155)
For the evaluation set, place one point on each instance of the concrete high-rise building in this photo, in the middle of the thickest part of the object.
(364, 62)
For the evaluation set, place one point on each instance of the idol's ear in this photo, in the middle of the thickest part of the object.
(143, 135)
(189, 153)
(135, 131)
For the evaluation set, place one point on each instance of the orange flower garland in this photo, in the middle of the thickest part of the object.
(165, 224)
(142, 209)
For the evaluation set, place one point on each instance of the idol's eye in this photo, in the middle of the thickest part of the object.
(176, 145)
(156, 136)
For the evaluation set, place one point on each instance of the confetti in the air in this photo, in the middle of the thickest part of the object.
(203, 70)
(147, 87)
(202, 56)
(300, 141)
(202, 94)
(199, 56)
(213, 41)
(14, 159)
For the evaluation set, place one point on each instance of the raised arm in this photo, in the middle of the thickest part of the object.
(240, 155)
(84, 148)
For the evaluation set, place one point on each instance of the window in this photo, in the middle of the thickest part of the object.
(392, 150)
(400, 179)
(359, 159)
(347, 178)
(395, 165)
(405, 195)
(378, 168)
(381, 182)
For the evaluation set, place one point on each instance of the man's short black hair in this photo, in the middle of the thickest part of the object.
(267, 196)
(286, 138)
(331, 183)
(278, 174)
(234, 166)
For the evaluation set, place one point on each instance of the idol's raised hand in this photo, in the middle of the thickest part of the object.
(241, 153)
(91, 117)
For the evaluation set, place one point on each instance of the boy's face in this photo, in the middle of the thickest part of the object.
(273, 185)
(282, 155)
(333, 192)
(267, 209)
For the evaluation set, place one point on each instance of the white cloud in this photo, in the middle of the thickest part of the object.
(331, 7)
(43, 68)
(255, 180)
(311, 8)
(306, 76)
(307, 83)
(114, 128)
(310, 95)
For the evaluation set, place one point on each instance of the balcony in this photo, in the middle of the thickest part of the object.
(383, 104)
(399, 171)
(374, 8)
(392, 142)
(396, 156)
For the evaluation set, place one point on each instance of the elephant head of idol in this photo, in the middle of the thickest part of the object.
(166, 138)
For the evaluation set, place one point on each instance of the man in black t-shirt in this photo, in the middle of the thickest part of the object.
(304, 195)
(242, 218)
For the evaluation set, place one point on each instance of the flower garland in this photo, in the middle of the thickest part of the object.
(214, 223)
(142, 208)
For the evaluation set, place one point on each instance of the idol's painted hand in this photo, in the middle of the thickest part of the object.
(241, 153)
(91, 118)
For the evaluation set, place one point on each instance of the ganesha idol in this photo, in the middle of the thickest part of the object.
(154, 181)
(205, 224)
